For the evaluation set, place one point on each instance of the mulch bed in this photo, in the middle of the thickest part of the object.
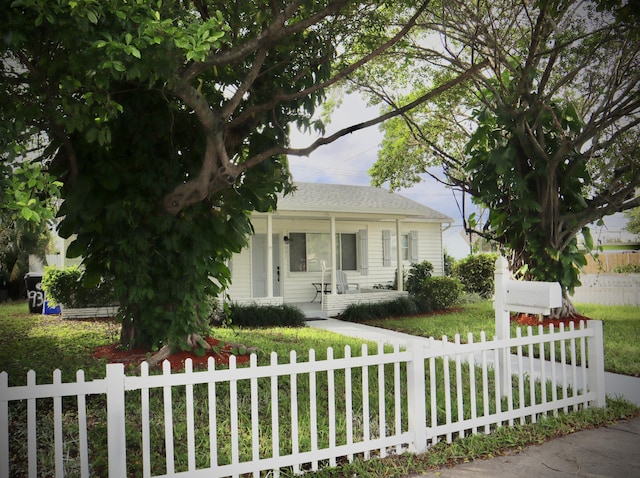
(132, 358)
(534, 320)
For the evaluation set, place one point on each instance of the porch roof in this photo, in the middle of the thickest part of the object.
(360, 200)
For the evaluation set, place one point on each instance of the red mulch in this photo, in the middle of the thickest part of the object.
(220, 352)
(534, 320)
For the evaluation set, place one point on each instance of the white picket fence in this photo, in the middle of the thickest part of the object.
(251, 419)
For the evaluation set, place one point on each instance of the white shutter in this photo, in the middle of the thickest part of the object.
(386, 248)
(364, 252)
(413, 244)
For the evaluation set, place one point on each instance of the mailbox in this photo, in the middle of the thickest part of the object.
(532, 297)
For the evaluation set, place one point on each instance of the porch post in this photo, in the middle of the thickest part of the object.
(333, 255)
(400, 276)
(269, 255)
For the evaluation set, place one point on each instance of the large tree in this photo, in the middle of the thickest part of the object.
(546, 136)
(169, 123)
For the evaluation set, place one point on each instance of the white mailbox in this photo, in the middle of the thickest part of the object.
(532, 297)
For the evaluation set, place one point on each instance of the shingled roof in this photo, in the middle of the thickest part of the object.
(318, 197)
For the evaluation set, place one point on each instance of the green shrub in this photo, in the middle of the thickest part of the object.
(475, 272)
(416, 276)
(441, 292)
(266, 316)
(399, 307)
(64, 286)
(448, 263)
(628, 269)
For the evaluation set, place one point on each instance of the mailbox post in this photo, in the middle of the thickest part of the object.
(518, 296)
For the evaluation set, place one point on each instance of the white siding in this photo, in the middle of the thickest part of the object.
(296, 286)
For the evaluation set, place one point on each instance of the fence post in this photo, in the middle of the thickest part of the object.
(595, 353)
(417, 398)
(4, 425)
(116, 432)
(503, 332)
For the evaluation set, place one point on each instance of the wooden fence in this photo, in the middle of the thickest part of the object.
(606, 262)
(252, 419)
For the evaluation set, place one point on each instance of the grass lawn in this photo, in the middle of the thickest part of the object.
(44, 343)
(621, 326)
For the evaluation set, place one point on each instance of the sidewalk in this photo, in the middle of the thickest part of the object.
(609, 451)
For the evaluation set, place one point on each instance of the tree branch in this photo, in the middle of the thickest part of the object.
(353, 128)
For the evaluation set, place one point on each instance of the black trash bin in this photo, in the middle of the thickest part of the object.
(35, 294)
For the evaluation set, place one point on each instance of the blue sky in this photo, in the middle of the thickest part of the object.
(347, 161)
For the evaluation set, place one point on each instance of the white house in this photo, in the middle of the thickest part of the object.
(330, 228)
(343, 230)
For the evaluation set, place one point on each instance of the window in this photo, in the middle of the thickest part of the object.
(308, 251)
(408, 247)
(346, 252)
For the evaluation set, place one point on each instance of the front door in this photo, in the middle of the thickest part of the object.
(259, 265)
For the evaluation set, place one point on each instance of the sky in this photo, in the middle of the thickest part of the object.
(347, 161)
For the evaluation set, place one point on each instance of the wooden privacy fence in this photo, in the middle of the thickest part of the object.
(291, 414)
(607, 262)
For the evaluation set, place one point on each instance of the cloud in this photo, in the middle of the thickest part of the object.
(348, 160)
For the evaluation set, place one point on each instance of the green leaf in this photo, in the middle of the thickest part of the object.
(92, 17)
(26, 213)
(588, 238)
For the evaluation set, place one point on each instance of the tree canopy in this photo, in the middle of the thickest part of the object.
(546, 135)
(168, 123)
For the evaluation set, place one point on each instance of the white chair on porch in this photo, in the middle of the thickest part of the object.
(343, 286)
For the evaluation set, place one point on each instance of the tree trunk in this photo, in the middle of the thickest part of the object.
(568, 310)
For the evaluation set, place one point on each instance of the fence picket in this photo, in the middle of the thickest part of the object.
(31, 428)
(4, 425)
(366, 429)
(313, 410)
(295, 443)
(275, 408)
(348, 402)
(397, 396)
(520, 374)
(57, 425)
(213, 420)
(574, 365)
(433, 393)
(168, 420)
(146, 423)
(459, 392)
(382, 418)
(485, 382)
(233, 397)
(447, 390)
(543, 369)
(191, 439)
(331, 405)
(498, 380)
(472, 384)
(255, 424)
(532, 382)
(563, 359)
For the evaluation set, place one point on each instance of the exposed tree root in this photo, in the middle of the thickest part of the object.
(193, 342)
(567, 311)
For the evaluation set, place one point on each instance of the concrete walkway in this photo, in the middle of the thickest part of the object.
(615, 385)
(609, 451)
